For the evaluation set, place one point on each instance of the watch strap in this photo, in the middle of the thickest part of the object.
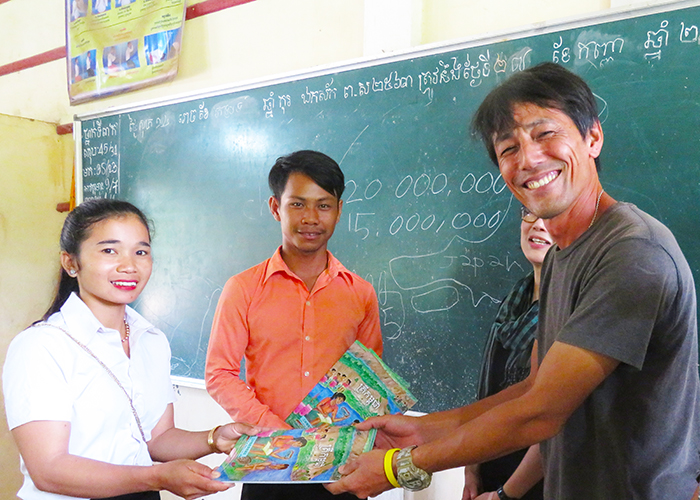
(408, 475)
(502, 494)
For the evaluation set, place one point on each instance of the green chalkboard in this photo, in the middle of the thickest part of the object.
(427, 218)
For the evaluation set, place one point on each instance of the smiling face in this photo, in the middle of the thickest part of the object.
(546, 162)
(535, 241)
(114, 263)
(308, 215)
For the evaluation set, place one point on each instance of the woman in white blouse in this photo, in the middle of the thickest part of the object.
(87, 390)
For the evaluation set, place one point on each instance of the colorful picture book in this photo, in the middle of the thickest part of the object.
(294, 455)
(358, 386)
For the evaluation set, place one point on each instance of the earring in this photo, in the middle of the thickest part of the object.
(72, 272)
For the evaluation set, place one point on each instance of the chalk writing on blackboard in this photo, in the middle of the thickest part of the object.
(430, 191)
(689, 34)
(283, 102)
(656, 40)
(599, 52)
(100, 158)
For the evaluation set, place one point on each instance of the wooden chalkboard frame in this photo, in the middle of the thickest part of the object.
(432, 50)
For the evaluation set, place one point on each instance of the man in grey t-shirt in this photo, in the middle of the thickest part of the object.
(624, 291)
(615, 396)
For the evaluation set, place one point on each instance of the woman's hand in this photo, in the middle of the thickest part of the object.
(490, 495)
(187, 479)
(472, 482)
(225, 437)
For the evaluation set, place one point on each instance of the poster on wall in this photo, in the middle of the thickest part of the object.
(116, 46)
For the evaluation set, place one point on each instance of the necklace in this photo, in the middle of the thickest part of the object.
(595, 214)
(128, 331)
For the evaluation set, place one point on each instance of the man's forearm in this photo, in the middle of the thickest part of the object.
(502, 429)
(435, 426)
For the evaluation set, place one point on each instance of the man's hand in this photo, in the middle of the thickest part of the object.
(393, 431)
(363, 476)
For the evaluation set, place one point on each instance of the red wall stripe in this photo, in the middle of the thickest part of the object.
(197, 10)
(30, 62)
(64, 129)
(210, 6)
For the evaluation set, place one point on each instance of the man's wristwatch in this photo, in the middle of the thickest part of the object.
(408, 475)
(502, 494)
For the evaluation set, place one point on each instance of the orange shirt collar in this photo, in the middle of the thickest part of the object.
(277, 265)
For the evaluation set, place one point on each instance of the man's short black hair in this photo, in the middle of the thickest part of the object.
(547, 85)
(320, 168)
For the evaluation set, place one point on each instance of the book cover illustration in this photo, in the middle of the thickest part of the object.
(358, 386)
(285, 456)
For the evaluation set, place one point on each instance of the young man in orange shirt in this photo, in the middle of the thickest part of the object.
(293, 315)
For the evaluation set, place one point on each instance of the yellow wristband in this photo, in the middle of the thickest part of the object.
(389, 467)
(210, 440)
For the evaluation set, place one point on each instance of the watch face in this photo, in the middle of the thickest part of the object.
(414, 479)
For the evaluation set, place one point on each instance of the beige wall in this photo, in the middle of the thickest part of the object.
(253, 41)
(450, 19)
(34, 177)
(258, 40)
